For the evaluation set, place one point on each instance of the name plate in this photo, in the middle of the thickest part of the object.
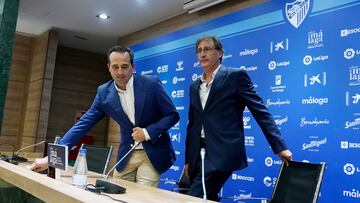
(58, 156)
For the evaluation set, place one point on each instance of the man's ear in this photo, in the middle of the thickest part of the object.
(133, 66)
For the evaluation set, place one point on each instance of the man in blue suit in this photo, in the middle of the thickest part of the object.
(140, 105)
(217, 101)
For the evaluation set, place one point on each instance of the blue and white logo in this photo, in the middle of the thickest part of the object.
(349, 169)
(349, 53)
(297, 11)
(307, 60)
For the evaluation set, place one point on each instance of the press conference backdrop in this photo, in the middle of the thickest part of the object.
(304, 59)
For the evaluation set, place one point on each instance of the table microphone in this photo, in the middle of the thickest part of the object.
(107, 185)
(202, 154)
(15, 158)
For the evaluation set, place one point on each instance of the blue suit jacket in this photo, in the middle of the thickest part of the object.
(222, 119)
(154, 111)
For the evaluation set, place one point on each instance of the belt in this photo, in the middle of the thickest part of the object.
(138, 149)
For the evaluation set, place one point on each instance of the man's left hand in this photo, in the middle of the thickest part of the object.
(286, 156)
(138, 134)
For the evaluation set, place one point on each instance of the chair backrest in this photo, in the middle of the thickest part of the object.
(298, 183)
(97, 157)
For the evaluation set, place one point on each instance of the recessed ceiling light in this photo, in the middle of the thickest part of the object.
(103, 16)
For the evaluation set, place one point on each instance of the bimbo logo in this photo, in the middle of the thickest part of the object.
(297, 11)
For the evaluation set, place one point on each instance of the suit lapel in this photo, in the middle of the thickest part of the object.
(139, 98)
(196, 90)
(217, 83)
(114, 101)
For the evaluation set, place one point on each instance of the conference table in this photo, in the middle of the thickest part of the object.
(46, 189)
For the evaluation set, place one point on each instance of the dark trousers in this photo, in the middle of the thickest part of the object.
(214, 180)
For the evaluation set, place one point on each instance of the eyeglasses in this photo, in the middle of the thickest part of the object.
(205, 49)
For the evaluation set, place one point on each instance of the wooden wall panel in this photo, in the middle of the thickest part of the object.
(77, 76)
(14, 104)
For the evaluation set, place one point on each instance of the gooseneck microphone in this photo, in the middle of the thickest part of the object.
(15, 158)
(18, 151)
(202, 154)
(107, 185)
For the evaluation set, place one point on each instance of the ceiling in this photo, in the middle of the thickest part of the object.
(80, 28)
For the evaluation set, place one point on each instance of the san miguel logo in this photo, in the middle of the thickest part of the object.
(297, 11)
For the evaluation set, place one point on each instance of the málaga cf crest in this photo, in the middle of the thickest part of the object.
(296, 11)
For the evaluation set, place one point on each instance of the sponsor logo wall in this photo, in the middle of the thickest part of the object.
(303, 57)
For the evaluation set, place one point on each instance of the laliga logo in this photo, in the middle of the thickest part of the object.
(269, 161)
(349, 169)
(349, 53)
(272, 65)
(195, 77)
(297, 11)
(307, 60)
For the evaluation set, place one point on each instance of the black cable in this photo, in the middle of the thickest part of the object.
(118, 200)
(98, 190)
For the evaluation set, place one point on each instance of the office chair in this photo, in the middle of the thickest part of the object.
(97, 157)
(297, 183)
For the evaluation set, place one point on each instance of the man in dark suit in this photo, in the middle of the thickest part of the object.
(217, 102)
(140, 105)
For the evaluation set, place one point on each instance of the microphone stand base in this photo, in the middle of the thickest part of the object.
(109, 187)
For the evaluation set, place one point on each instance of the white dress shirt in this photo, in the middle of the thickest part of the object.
(127, 103)
(204, 91)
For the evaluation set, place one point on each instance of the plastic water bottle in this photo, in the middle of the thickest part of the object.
(79, 177)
